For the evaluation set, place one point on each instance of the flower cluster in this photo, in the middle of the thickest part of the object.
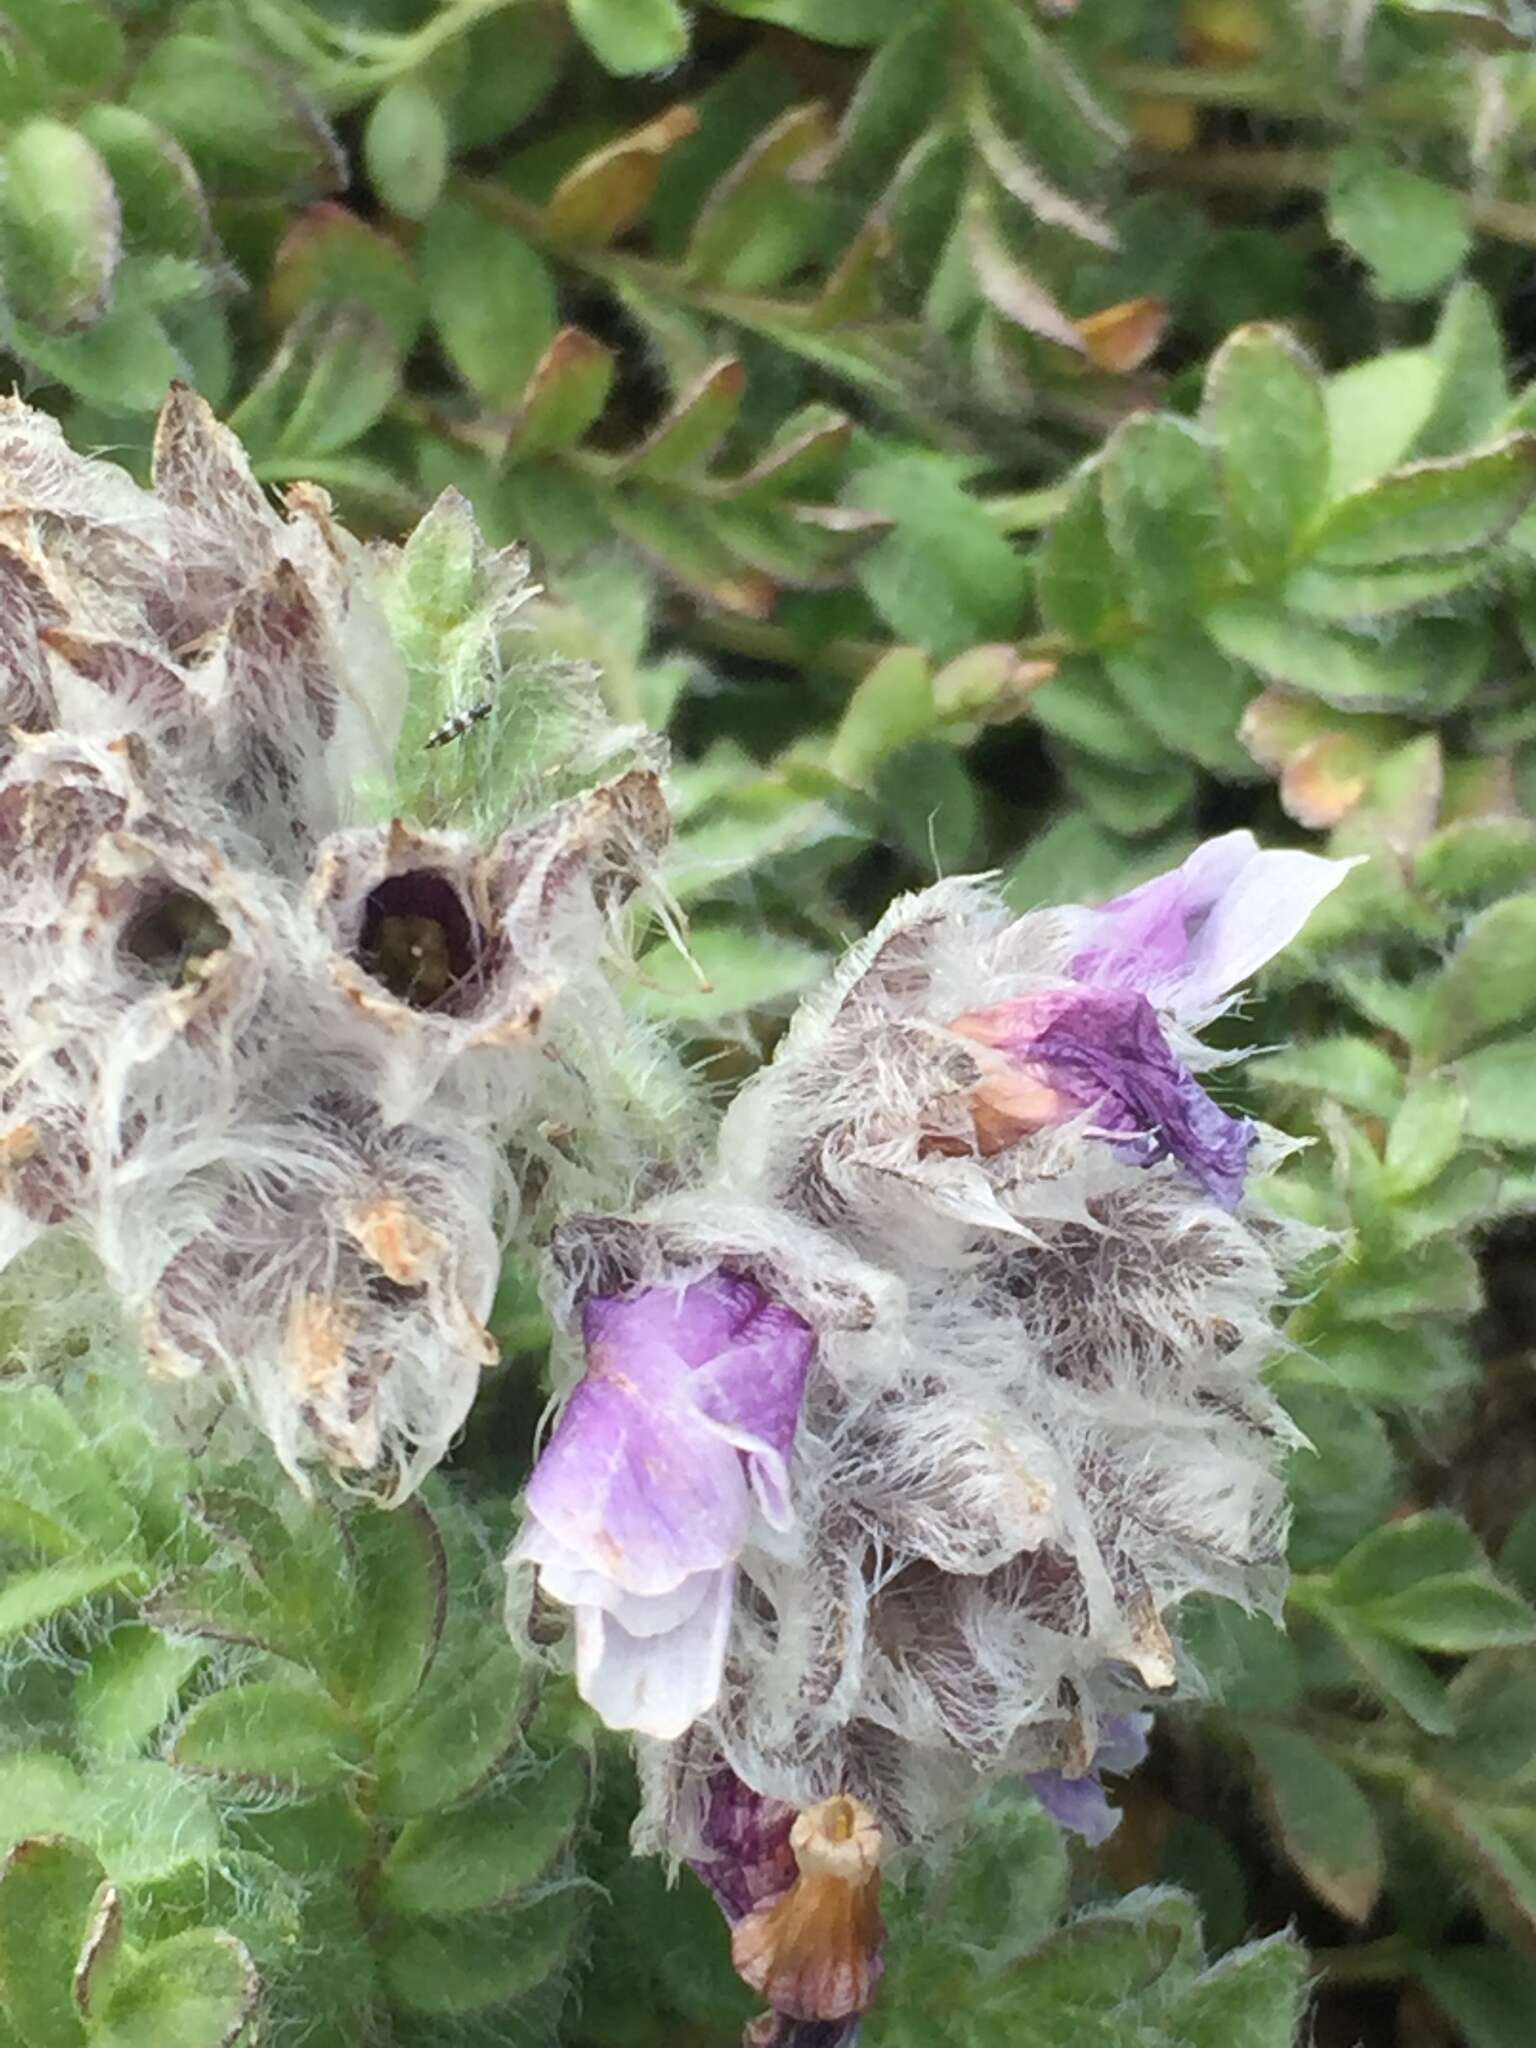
(262, 1044)
(896, 1442)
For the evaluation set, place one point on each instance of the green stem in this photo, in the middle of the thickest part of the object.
(1284, 171)
(1372, 1962)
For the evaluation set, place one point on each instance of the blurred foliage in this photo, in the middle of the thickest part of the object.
(985, 434)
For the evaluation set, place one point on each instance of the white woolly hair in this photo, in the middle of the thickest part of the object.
(263, 1055)
(1045, 1427)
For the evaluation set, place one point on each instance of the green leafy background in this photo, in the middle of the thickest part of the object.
(982, 434)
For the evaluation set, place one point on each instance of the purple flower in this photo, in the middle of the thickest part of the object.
(1102, 1050)
(1179, 943)
(1186, 939)
(643, 1499)
(1079, 1803)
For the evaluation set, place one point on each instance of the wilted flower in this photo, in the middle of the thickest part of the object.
(263, 1052)
(801, 1892)
(641, 1504)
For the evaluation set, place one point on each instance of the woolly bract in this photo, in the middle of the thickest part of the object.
(264, 1053)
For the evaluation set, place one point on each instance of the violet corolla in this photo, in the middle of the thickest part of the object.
(678, 1434)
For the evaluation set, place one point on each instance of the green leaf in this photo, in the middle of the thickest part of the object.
(1164, 515)
(1437, 1279)
(565, 395)
(1501, 1102)
(1425, 1134)
(1247, 1662)
(40, 1794)
(197, 1990)
(1264, 404)
(1489, 982)
(270, 1733)
(406, 147)
(1487, 1993)
(491, 296)
(145, 1820)
(124, 363)
(1410, 231)
(399, 1605)
(1376, 411)
(930, 805)
(1427, 660)
(849, 22)
(329, 257)
(743, 971)
(49, 1887)
(1253, 1998)
(1473, 396)
(1079, 705)
(1190, 695)
(158, 194)
(1344, 1482)
(130, 1687)
(1449, 507)
(460, 1724)
(1477, 857)
(946, 578)
(892, 705)
(1395, 1674)
(890, 103)
(60, 227)
(1132, 801)
(1355, 597)
(57, 1493)
(334, 373)
(1077, 576)
(485, 1853)
(628, 36)
(461, 1965)
(29, 1598)
(696, 425)
(249, 128)
(1452, 1615)
(78, 39)
(1325, 1822)
(1354, 1071)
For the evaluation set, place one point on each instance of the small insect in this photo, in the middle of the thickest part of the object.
(454, 728)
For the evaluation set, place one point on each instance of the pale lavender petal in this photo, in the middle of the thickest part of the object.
(636, 1484)
(1078, 1804)
(563, 1576)
(746, 1837)
(1187, 938)
(657, 1685)
(1122, 1743)
(752, 1393)
(1105, 1051)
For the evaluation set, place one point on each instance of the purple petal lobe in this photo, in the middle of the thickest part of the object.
(1103, 1050)
(1078, 1804)
(1187, 938)
(634, 1483)
(752, 1393)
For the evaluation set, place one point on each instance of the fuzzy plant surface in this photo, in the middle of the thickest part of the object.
(768, 848)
